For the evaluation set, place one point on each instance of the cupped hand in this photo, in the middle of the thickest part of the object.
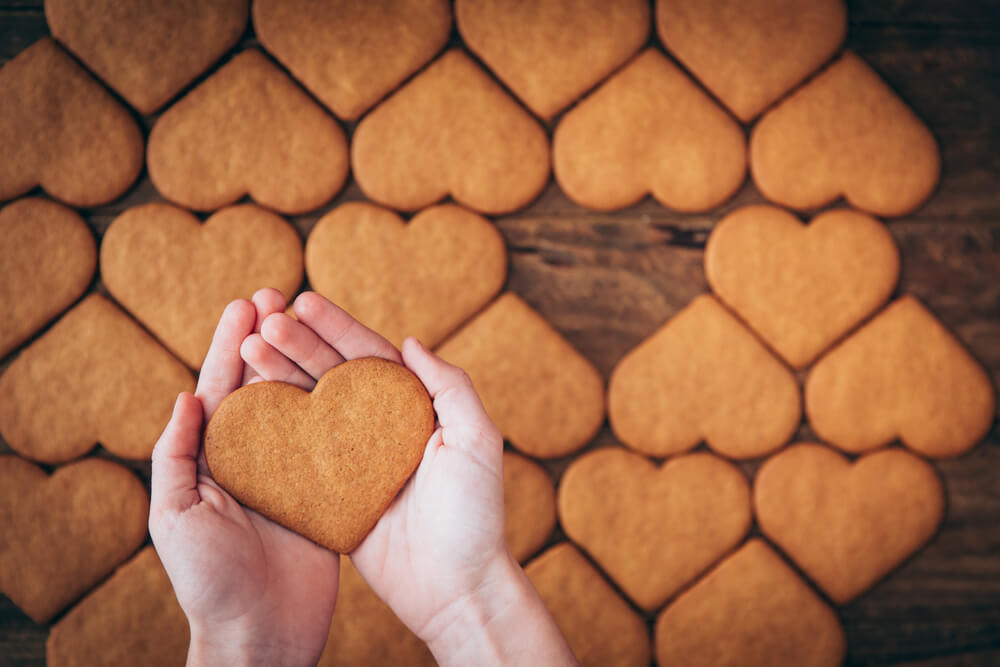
(442, 539)
(253, 591)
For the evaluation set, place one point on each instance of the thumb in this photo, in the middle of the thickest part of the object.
(175, 458)
(463, 418)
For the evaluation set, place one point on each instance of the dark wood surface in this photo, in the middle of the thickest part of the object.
(607, 280)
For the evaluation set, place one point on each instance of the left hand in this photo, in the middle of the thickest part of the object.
(253, 591)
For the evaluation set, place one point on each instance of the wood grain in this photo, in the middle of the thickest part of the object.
(607, 280)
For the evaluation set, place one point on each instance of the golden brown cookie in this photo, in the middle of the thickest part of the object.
(61, 130)
(349, 54)
(94, 376)
(902, 375)
(600, 627)
(327, 463)
(423, 278)
(247, 129)
(529, 503)
(549, 52)
(452, 131)
(801, 287)
(750, 610)
(703, 376)
(147, 51)
(48, 258)
(147, 257)
(365, 632)
(653, 528)
(132, 619)
(845, 133)
(649, 129)
(847, 525)
(62, 534)
(546, 398)
(751, 53)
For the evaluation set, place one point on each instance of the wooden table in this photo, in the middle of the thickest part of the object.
(607, 280)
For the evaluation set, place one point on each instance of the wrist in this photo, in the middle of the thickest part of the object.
(241, 648)
(503, 621)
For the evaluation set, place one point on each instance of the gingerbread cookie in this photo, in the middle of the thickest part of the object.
(148, 252)
(423, 278)
(365, 632)
(751, 53)
(147, 51)
(247, 129)
(902, 375)
(95, 376)
(550, 52)
(845, 133)
(453, 131)
(529, 503)
(350, 54)
(325, 464)
(847, 525)
(703, 376)
(750, 610)
(62, 534)
(600, 627)
(649, 129)
(653, 528)
(61, 130)
(801, 287)
(543, 395)
(49, 257)
(132, 619)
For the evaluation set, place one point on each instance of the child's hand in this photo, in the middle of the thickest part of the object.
(253, 592)
(438, 555)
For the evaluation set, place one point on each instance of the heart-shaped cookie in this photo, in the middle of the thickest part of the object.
(599, 626)
(750, 53)
(549, 52)
(649, 129)
(452, 131)
(327, 463)
(132, 619)
(703, 376)
(349, 54)
(546, 398)
(48, 258)
(365, 632)
(61, 130)
(147, 51)
(529, 503)
(247, 129)
(94, 376)
(63, 533)
(148, 252)
(845, 133)
(847, 525)
(801, 287)
(653, 528)
(423, 278)
(902, 375)
(750, 610)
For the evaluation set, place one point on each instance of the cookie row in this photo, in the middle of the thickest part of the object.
(93, 514)
(451, 130)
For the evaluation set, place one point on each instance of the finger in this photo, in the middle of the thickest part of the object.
(350, 338)
(463, 418)
(300, 344)
(266, 301)
(270, 364)
(222, 372)
(174, 479)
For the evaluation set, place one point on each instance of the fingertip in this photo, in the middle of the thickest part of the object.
(239, 310)
(251, 347)
(273, 329)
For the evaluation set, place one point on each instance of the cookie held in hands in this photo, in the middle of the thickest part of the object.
(328, 463)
